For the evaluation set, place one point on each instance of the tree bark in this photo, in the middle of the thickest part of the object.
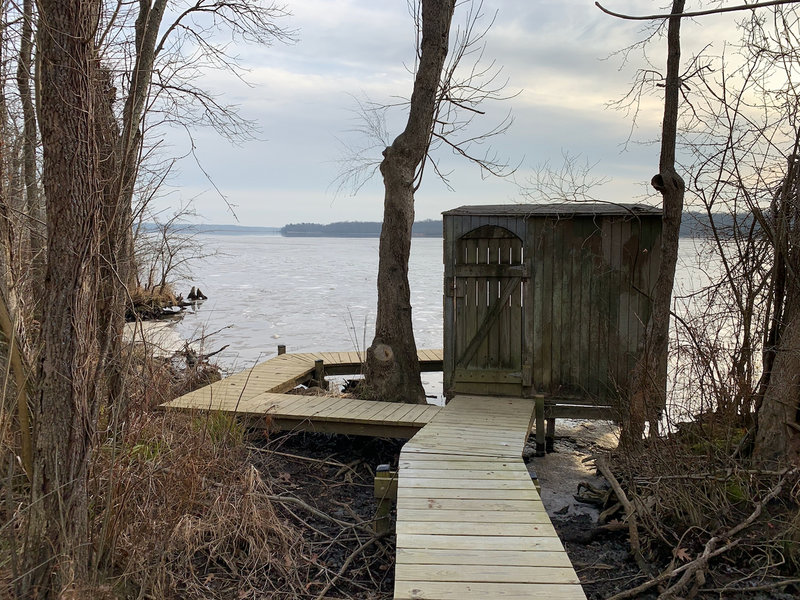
(120, 149)
(778, 418)
(778, 434)
(648, 383)
(35, 228)
(66, 403)
(392, 369)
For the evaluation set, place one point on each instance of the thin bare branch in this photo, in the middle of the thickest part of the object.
(698, 13)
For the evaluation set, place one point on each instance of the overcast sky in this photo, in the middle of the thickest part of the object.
(556, 54)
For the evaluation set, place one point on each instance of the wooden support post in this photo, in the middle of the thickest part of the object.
(550, 434)
(540, 443)
(281, 349)
(319, 374)
(535, 479)
(385, 494)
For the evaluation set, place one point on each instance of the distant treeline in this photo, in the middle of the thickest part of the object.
(195, 228)
(428, 228)
(697, 224)
(693, 224)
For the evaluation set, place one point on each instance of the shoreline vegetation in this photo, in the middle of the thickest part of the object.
(693, 225)
(427, 228)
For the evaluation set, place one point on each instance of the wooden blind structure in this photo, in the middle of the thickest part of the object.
(547, 299)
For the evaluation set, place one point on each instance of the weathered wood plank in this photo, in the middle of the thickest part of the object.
(557, 275)
(416, 472)
(445, 463)
(460, 528)
(521, 558)
(422, 590)
(478, 542)
(420, 515)
(385, 411)
(486, 574)
(344, 427)
(474, 484)
(526, 506)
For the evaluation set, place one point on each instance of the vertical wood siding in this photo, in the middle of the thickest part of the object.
(573, 326)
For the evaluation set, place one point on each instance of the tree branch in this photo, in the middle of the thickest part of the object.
(630, 511)
(697, 13)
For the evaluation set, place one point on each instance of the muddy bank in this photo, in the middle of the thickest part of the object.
(601, 558)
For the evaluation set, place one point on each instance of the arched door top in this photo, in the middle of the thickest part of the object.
(490, 232)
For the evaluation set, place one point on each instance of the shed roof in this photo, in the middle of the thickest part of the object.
(558, 209)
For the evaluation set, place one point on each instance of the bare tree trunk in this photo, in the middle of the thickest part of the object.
(9, 338)
(648, 384)
(773, 326)
(6, 159)
(66, 404)
(392, 365)
(121, 162)
(778, 418)
(778, 435)
(129, 142)
(35, 229)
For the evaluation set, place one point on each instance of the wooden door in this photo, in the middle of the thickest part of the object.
(489, 278)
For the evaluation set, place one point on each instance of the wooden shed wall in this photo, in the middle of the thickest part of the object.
(586, 301)
(589, 301)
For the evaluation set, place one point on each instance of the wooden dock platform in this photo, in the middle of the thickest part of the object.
(284, 372)
(325, 414)
(470, 523)
(258, 393)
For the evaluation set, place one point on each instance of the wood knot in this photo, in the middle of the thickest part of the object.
(383, 353)
(658, 182)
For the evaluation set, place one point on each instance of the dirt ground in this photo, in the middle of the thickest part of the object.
(601, 559)
(334, 474)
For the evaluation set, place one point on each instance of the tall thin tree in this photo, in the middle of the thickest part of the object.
(66, 404)
(392, 363)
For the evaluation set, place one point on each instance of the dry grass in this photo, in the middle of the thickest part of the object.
(177, 508)
(158, 295)
(188, 516)
(184, 514)
(149, 303)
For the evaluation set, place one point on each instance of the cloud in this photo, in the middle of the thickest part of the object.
(554, 54)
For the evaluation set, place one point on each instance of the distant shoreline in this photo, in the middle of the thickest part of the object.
(350, 235)
(358, 229)
(693, 225)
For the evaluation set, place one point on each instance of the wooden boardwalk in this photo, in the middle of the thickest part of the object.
(470, 523)
(258, 393)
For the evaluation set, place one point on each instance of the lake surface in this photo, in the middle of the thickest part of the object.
(310, 294)
(318, 294)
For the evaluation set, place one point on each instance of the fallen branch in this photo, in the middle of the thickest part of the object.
(346, 564)
(766, 587)
(668, 574)
(318, 513)
(696, 568)
(691, 569)
(329, 462)
(205, 357)
(630, 511)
